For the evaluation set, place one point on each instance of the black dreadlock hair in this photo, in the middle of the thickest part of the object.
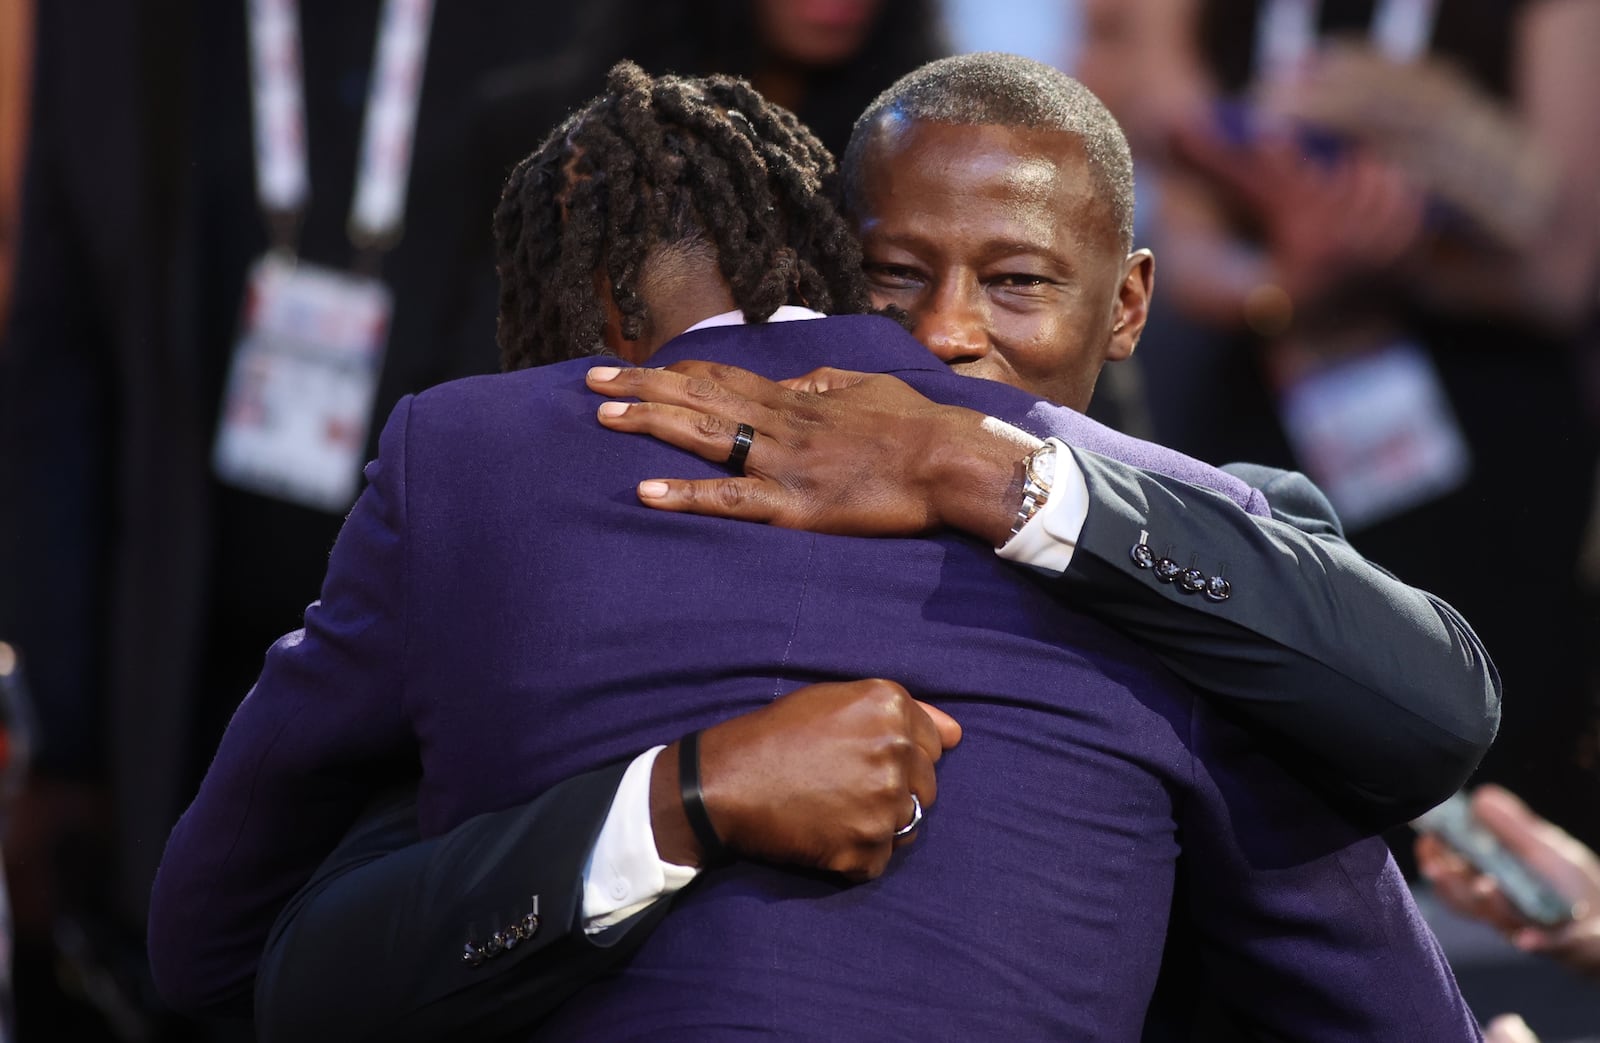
(658, 162)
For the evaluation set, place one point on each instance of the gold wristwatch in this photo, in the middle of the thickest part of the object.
(1038, 471)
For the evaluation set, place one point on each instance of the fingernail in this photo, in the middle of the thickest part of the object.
(613, 408)
(601, 374)
(652, 490)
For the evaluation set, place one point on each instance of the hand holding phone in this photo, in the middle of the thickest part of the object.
(1529, 893)
(1552, 856)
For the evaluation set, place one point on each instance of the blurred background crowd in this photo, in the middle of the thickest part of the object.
(1377, 231)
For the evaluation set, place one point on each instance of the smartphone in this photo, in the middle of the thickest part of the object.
(1529, 893)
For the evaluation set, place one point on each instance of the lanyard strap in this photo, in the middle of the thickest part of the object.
(1286, 33)
(1286, 36)
(1402, 29)
(278, 105)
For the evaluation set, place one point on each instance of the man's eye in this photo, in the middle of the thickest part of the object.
(1021, 279)
(892, 276)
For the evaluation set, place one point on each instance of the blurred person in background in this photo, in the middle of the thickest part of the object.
(823, 61)
(139, 582)
(16, 55)
(16, 60)
(135, 579)
(1378, 230)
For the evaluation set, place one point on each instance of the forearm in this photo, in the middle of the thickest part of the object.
(375, 946)
(976, 476)
(398, 938)
(1380, 692)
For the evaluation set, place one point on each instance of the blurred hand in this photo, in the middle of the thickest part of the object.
(1351, 87)
(1509, 1028)
(821, 778)
(1569, 866)
(838, 452)
(1455, 140)
(1324, 221)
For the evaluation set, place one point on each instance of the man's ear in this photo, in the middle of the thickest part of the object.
(1133, 304)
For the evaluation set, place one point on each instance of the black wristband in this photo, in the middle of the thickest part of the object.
(694, 802)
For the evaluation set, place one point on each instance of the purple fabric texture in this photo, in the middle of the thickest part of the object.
(500, 613)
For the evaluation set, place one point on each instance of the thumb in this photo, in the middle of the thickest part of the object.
(1509, 1028)
(824, 379)
(949, 730)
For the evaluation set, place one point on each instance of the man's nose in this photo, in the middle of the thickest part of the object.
(953, 329)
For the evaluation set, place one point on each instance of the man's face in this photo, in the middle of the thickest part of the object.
(995, 243)
(815, 33)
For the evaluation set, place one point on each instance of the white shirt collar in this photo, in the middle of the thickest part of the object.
(787, 313)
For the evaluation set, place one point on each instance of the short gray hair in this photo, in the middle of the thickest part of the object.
(992, 89)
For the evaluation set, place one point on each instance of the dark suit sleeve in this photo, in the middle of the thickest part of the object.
(374, 946)
(1379, 693)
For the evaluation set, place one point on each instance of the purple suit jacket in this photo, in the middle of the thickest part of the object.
(501, 613)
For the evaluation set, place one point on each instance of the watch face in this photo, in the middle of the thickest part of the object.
(1041, 465)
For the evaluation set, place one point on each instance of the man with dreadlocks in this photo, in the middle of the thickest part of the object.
(622, 231)
(482, 559)
(741, 195)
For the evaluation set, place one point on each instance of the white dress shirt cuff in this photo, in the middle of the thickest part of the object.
(624, 874)
(1051, 535)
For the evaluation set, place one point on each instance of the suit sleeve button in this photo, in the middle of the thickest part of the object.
(471, 955)
(1142, 555)
(1218, 589)
(1193, 581)
(1167, 570)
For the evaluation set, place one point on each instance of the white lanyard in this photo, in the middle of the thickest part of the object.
(1286, 32)
(278, 104)
(1402, 29)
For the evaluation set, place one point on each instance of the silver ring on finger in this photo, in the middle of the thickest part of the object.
(916, 818)
(743, 439)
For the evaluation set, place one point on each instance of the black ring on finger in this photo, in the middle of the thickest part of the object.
(743, 439)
